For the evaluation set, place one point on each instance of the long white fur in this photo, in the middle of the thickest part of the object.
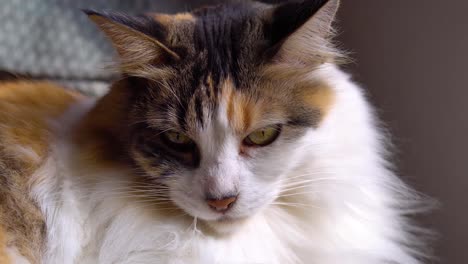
(340, 203)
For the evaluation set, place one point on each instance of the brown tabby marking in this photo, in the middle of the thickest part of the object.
(168, 20)
(25, 111)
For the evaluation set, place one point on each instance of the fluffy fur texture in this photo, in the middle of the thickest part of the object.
(98, 182)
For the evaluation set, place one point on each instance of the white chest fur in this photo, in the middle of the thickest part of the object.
(95, 224)
(92, 228)
(144, 240)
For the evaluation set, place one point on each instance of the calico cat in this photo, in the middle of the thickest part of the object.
(232, 136)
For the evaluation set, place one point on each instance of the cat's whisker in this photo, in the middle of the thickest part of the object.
(311, 185)
(296, 205)
(297, 194)
(314, 173)
(149, 205)
(312, 176)
(296, 182)
(304, 186)
(167, 87)
(117, 192)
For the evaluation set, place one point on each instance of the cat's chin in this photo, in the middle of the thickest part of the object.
(226, 226)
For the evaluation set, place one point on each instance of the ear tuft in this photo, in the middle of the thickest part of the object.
(138, 40)
(301, 31)
(89, 12)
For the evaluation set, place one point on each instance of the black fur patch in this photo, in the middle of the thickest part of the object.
(222, 33)
(140, 23)
(289, 17)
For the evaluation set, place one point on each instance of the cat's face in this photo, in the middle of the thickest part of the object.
(238, 145)
(221, 107)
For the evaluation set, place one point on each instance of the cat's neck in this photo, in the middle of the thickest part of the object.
(100, 134)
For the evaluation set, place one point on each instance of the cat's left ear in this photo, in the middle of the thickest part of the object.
(138, 40)
(301, 31)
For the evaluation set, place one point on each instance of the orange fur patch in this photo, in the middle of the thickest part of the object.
(25, 108)
(321, 97)
(239, 107)
(312, 93)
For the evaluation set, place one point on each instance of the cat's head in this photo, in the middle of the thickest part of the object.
(220, 100)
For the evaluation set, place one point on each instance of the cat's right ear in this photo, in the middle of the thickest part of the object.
(139, 40)
(301, 31)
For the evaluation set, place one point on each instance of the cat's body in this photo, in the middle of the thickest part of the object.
(76, 187)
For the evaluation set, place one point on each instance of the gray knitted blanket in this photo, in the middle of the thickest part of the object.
(54, 40)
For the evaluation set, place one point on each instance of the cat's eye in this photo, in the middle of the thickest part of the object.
(176, 138)
(263, 137)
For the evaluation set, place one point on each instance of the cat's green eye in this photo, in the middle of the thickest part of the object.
(177, 138)
(263, 137)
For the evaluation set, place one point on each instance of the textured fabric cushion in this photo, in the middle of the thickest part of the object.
(53, 39)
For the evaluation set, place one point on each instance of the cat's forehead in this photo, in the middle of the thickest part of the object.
(196, 101)
(225, 41)
(192, 104)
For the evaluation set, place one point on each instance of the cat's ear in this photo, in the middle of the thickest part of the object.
(138, 40)
(301, 31)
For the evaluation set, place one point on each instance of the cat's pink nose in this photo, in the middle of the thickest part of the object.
(221, 205)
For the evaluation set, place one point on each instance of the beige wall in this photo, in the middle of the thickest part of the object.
(412, 58)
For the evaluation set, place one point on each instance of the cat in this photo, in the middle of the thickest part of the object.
(232, 136)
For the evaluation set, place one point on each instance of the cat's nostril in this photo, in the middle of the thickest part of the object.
(223, 204)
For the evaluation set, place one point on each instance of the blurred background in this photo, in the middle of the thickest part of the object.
(410, 56)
